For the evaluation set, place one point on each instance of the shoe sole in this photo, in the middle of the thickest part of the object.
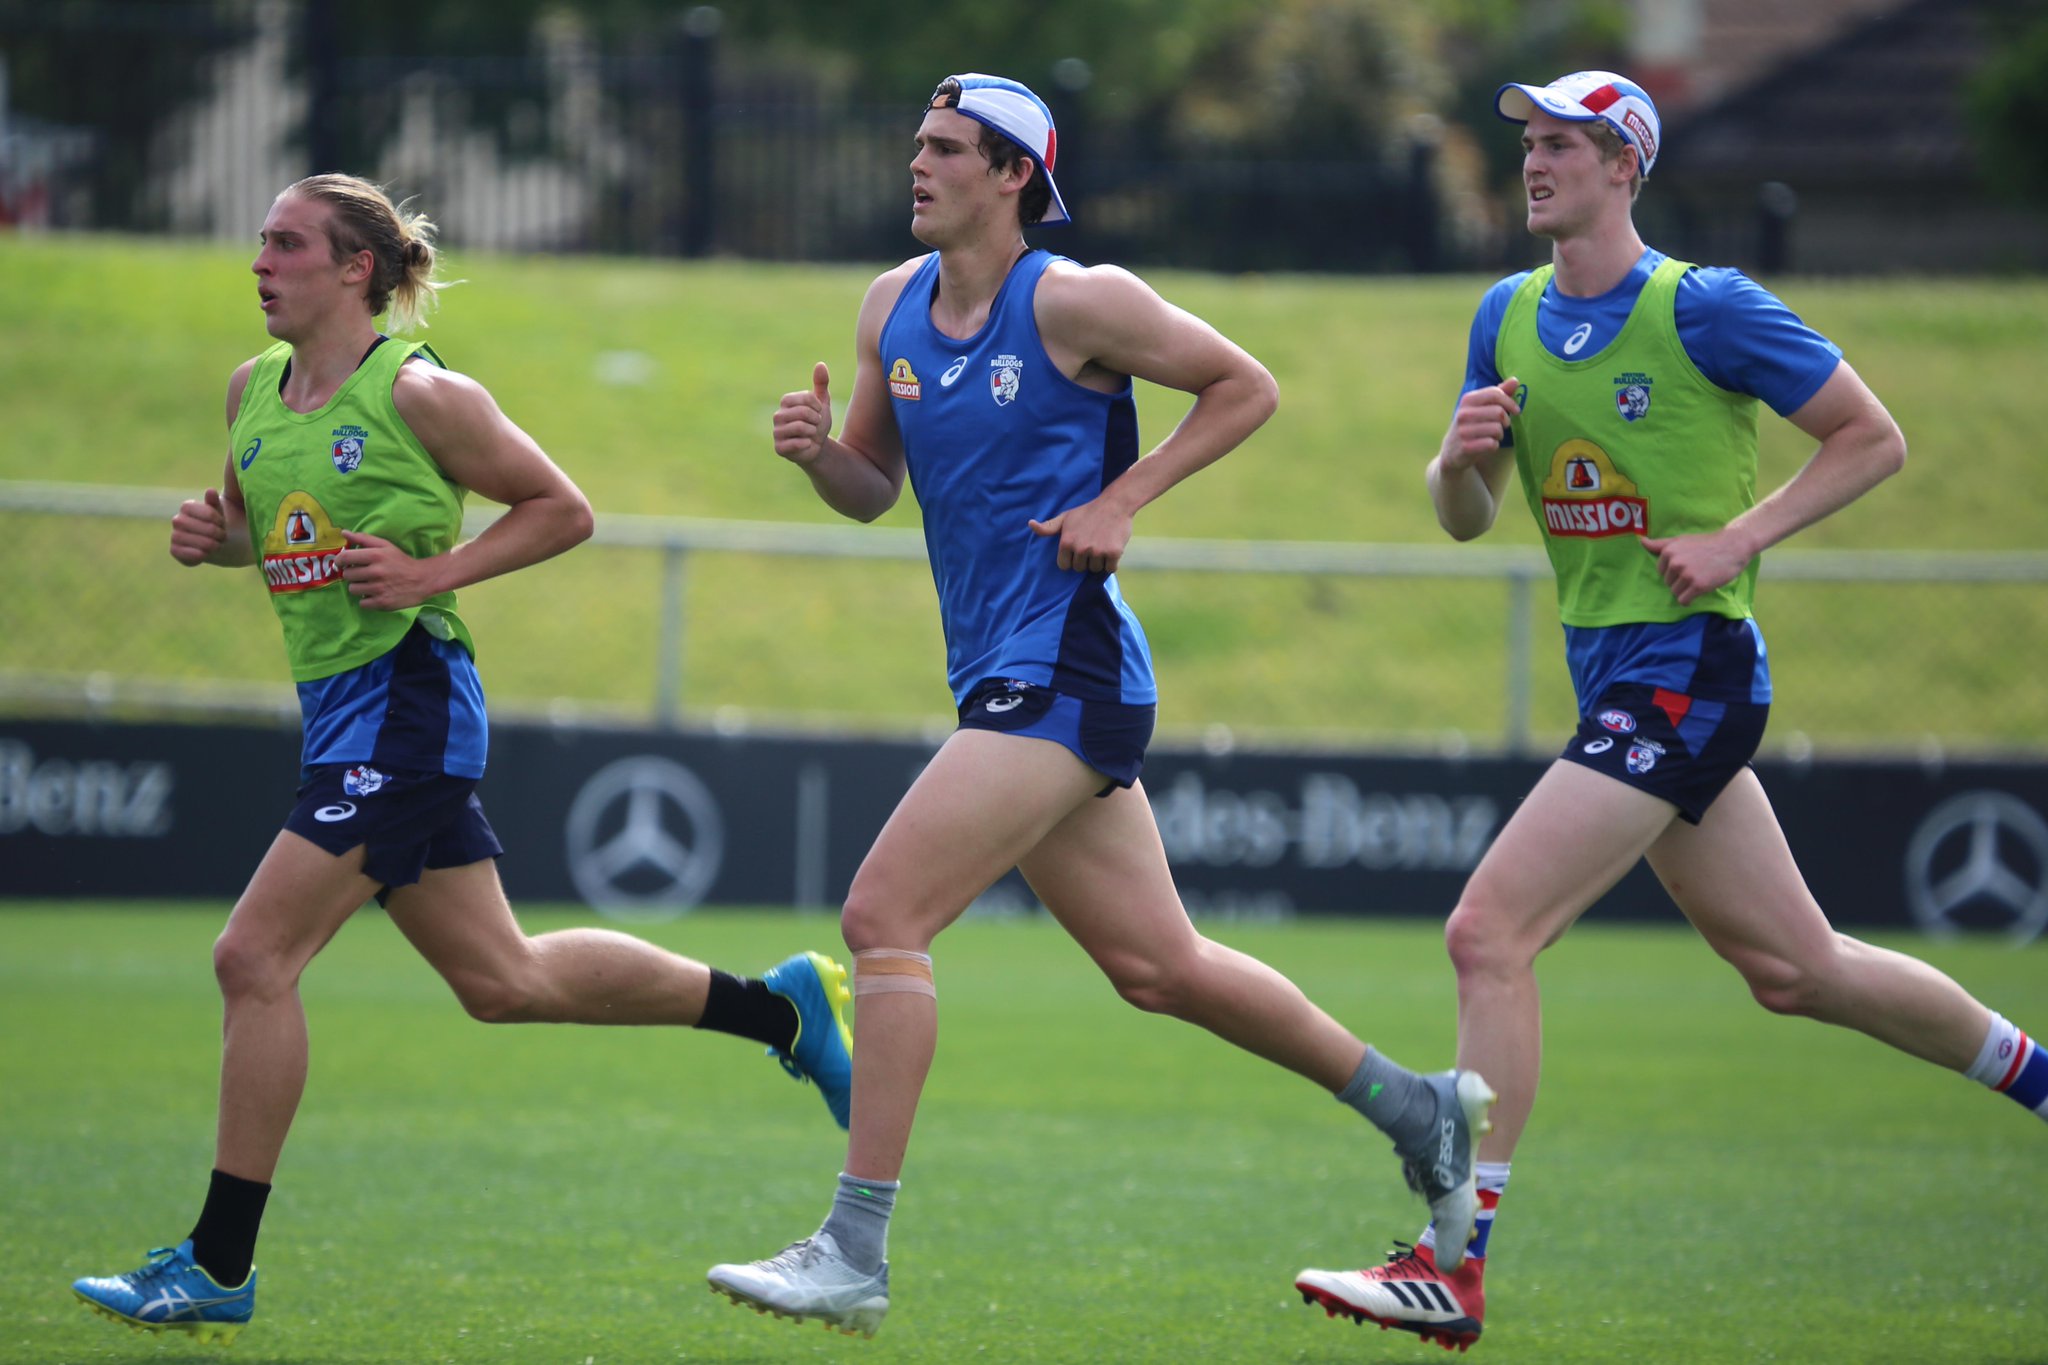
(853, 1322)
(1452, 1336)
(1475, 1097)
(223, 1333)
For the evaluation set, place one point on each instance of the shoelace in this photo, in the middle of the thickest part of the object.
(1404, 1253)
(159, 1265)
(795, 1256)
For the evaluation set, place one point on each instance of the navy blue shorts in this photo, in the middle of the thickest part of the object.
(1683, 749)
(406, 822)
(1108, 736)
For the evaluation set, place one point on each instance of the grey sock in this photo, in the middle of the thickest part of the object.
(859, 1221)
(1393, 1099)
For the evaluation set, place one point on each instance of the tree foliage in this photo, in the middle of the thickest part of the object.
(2008, 103)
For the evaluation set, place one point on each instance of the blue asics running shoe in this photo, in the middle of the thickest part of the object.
(172, 1293)
(823, 1051)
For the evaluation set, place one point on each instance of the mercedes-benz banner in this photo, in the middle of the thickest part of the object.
(651, 823)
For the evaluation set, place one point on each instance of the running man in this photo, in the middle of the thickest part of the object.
(349, 456)
(999, 379)
(1623, 386)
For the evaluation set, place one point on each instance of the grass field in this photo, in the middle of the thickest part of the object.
(1704, 1182)
(1368, 370)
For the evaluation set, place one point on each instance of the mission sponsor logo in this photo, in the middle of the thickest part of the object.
(302, 550)
(1645, 134)
(1584, 495)
(903, 382)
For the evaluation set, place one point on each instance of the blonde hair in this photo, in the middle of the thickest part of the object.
(401, 244)
(1609, 144)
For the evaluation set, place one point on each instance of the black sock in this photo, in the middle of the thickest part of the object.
(746, 1007)
(224, 1242)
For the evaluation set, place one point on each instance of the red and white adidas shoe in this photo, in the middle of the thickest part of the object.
(1408, 1293)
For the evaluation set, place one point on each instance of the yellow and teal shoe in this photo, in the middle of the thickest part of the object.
(823, 1051)
(172, 1294)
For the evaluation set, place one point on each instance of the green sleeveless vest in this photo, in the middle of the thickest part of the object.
(1630, 441)
(350, 465)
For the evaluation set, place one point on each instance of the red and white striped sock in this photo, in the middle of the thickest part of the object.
(2014, 1065)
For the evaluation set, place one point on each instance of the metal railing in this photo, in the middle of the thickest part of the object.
(676, 539)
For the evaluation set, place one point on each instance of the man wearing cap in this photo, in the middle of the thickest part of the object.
(1622, 386)
(999, 380)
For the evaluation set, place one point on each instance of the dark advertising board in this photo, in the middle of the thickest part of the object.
(652, 823)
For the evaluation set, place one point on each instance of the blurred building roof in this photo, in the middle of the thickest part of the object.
(1882, 98)
(1701, 50)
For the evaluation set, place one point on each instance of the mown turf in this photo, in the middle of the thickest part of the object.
(1703, 1183)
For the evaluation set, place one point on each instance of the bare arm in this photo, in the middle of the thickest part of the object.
(1860, 447)
(860, 475)
(214, 527)
(1470, 471)
(1108, 321)
(476, 445)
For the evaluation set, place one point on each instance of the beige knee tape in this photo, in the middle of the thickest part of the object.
(881, 971)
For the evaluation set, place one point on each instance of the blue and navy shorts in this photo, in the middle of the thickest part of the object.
(406, 822)
(1685, 750)
(1108, 736)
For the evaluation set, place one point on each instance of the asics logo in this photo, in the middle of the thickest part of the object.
(998, 705)
(1576, 342)
(327, 815)
(952, 373)
(249, 455)
(176, 1303)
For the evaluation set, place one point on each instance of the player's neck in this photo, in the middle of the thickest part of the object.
(1591, 263)
(970, 277)
(322, 362)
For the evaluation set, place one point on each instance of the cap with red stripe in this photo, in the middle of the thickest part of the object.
(1011, 109)
(1587, 95)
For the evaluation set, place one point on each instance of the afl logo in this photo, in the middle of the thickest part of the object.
(1621, 722)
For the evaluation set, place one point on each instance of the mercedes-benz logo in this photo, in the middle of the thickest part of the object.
(1962, 873)
(645, 839)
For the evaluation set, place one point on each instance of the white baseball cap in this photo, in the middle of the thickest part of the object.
(1583, 96)
(1011, 109)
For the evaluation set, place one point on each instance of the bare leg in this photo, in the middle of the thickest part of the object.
(1572, 839)
(983, 801)
(1103, 874)
(1735, 879)
(296, 901)
(459, 920)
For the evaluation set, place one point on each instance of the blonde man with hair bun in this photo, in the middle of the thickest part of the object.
(349, 456)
